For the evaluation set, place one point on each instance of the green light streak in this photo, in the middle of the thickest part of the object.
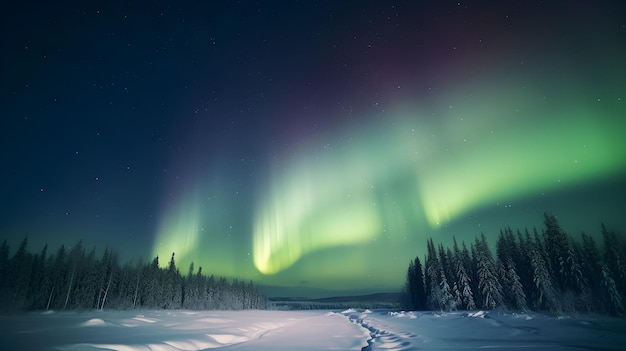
(311, 217)
(519, 162)
(494, 145)
(178, 231)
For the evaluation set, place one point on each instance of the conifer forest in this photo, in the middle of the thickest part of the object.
(548, 271)
(545, 270)
(76, 279)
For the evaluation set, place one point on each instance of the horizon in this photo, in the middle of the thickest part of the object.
(296, 290)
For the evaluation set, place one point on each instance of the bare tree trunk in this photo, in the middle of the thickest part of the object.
(100, 295)
(104, 299)
(50, 298)
(136, 291)
(69, 289)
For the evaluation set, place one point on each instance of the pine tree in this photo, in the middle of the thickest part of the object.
(615, 260)
(463, 279)
(19, 276)
(76, 266)
(516, 290)
(440, 296)
(87, 282)
(564, 265)
(450, 294)
(153, 291)
(616, 305)
(172, 286)
(591, 266)
(546, 299)
(447, 302)
(428, 283)
(415, 286)
(523, 266)
(430, 275)
(190, 296)
(36, 288)
(508, 254)
(488, 282)
(124, 288)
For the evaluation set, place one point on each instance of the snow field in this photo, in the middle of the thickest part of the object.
(351, 329)
(489, 330)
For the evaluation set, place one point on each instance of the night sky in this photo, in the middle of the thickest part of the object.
(311, 144)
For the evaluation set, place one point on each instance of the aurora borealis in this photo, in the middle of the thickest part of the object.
(309, 144)
(381, 180)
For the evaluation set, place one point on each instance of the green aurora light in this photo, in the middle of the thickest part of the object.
(388, 175)
(372, 186)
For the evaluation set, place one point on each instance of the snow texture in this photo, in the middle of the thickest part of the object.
(306, 330)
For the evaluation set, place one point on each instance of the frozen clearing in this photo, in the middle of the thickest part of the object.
(306, 330)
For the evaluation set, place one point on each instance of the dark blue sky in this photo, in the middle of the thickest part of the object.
(274, 136)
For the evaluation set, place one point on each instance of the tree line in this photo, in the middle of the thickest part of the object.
(75, 278)
(545, 272)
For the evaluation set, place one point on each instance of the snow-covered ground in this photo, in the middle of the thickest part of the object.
(306, 330)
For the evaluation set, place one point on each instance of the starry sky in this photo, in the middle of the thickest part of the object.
(308, 144)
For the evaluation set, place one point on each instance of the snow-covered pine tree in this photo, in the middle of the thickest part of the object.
(76, 270)
(615, 260)
(152, 291)
(200, 282)
(613, 298)
(592, 271)
(580, 282)
(451, 298)
(546, 295)
(474, 264)
(125, 287)
(561, 256)
(453, 279)
(514, 249)
(447, 300)
(211, 293)
(462, 278)
(439, 296)
(86, 286)
(447, 263)
(58, 273)
(488, 282)
(517, 297)
(38, 281)
(172, 286)
(431, 276)
(502, 249)
(523, 267)
(507, 255)
(19, 276)
(470, 268)
(190, 296)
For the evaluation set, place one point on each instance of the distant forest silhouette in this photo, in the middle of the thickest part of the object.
(549, 272)
(75, 279)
